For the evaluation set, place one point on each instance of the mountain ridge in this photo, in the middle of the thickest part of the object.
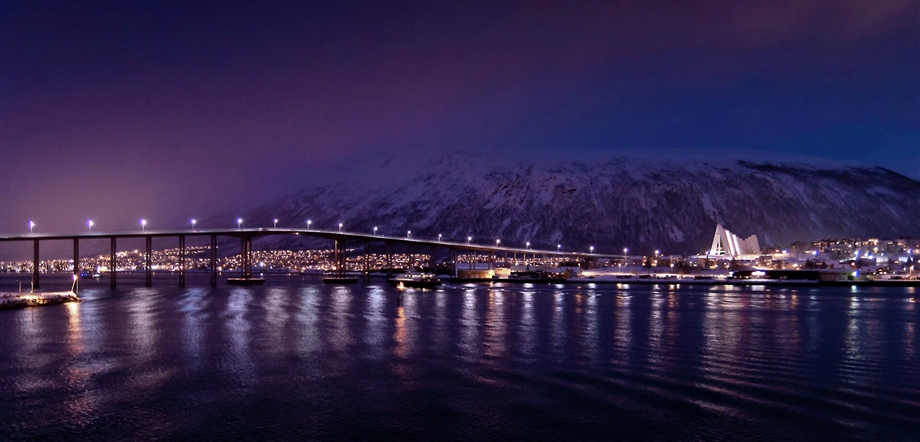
(610, 203)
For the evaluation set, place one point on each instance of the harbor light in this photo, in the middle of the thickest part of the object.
(89, 224)
(239, 223)
(31, 226)
(657, 252)
(143, 225)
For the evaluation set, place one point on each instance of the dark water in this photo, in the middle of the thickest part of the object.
(299, 360)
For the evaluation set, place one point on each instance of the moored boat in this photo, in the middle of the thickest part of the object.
(411, 278)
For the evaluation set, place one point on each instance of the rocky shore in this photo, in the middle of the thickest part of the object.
(10, 301)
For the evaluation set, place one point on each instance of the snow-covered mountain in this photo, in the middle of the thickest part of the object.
(608, 202)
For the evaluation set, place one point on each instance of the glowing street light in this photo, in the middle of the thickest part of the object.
(308, 224)
(625, 251)
(239, 223)
(193, 223)
(375, 230)
(657, 252)
(408, 234)
(143, 225)
(276, 223)
(528, 244)
(592, 249)
(558, 247)
(439, 237)
(497, 242)
(31, 225)
(89, 224)
(340, 227)
(468, 239)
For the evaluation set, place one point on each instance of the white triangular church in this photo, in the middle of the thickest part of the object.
(727, 243)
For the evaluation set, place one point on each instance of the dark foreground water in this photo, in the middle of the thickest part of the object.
(299, 360)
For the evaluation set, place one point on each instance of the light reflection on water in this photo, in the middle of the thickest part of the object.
(520, 362)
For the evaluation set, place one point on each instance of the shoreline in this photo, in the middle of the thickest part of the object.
(14, 301)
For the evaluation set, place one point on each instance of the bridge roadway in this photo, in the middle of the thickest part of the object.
(247, 234)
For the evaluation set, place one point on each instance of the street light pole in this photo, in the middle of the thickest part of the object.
(143, 225)
(89, 224)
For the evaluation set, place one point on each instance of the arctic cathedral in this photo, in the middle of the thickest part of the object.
(726, 243)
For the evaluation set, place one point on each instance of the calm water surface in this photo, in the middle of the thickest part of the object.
(296, 359)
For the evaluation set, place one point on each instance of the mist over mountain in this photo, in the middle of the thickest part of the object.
(607, 201)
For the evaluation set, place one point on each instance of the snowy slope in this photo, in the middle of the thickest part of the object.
(606, 201)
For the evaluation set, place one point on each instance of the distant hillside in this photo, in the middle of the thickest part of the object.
(609, 203)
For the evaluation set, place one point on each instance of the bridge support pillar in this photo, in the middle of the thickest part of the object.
(367, 270)
(181, 260)
(148, 261)
(76, 257)
(35, 284)
(389, 261)
(213, 264)
(246, 256)
(112, 262)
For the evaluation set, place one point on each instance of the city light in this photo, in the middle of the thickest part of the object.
(439, 237)
(275, 223)
(592, 249)
(497, 242)
(625, 251)
(89, 224)
(408, 234)
(528, 244)
(143, 225)
(558, 247)
(239, 223)
(340, 227)
(657, 252)
(31, 225)
(468, 239)
(308, 224)
(375, 230)
(193, 223)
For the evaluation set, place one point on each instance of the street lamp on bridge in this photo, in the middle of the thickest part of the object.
(468, 239)
(340, 227)
(239, 223)
(497, 242)
(89, 224)
(275, 223)
(143, 225)
(528, 244)
(193, 223)
(439, 237)
(408, 234)
(375, 230)
(308, 224)
(31, 226)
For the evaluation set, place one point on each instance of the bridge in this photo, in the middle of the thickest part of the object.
(247, 234)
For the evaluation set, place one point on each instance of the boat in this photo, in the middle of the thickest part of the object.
(412, 278)
(339, 278)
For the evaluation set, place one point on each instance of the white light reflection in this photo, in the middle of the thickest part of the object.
(237, 329)
(469, 341)
(527, 330)
(307, 323)
(495, 325)
(375, 335)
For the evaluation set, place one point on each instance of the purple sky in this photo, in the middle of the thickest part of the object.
(125, 110)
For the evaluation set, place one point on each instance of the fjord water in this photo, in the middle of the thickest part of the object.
(296, 359)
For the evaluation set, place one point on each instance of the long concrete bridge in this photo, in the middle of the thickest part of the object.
(247, 234)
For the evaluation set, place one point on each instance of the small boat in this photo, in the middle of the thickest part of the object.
(88, 274)
(339, 278)
(412, 278)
